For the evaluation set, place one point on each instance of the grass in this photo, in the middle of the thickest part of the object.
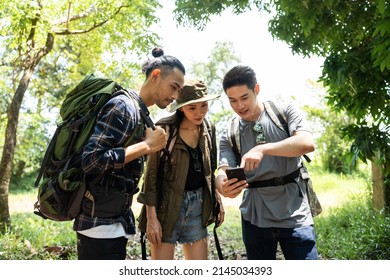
(334, 190)
(354, 231)
(33, 238)
(348, 228)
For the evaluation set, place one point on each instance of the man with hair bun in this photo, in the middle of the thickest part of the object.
(102, 233)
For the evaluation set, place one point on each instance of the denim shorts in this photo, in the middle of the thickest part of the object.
(188, 227)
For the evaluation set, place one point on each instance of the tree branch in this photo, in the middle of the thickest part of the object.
(68, 19)
(69, 11)
(44, 50)
(30, 39)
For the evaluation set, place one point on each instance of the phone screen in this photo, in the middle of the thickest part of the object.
(236, 172)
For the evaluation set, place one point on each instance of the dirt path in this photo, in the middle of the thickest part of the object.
(24, 203)
(227, 202)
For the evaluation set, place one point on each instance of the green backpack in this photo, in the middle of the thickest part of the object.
(60, 182)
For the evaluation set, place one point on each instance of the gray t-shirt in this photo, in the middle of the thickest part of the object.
(283, 206)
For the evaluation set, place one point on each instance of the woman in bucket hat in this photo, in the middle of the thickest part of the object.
(177, 193)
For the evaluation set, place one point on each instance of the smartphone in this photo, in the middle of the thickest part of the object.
(236, 172)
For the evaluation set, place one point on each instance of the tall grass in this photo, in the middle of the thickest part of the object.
(348, 229)
(354, 232)
(33, 238)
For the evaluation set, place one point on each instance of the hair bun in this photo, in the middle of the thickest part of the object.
(156, 52)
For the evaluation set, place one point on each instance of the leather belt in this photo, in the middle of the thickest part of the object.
(289, 178)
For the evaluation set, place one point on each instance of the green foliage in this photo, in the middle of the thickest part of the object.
(369, 142)
(89, 36)
(336, 189)
(124, 25)
(103, 37)
(33, 238)
(32, 143)
(354, 36)
(354, 232)
(197, 13)
(334, 151)
(220, 60)
(222, 57)
(23, 182)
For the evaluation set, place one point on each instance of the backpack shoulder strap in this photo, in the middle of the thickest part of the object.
(234, 138)
(213, 159)
(144, 113)
(211, 138)
(171, 131)
(138, 103)
(277, 116)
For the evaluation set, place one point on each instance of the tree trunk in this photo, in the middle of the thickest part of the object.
(20, 169)
(9, 148)
(381, 193)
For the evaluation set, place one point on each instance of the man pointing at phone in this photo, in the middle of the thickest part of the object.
(275, 207)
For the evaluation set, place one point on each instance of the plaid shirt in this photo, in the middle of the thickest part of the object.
(104, 152)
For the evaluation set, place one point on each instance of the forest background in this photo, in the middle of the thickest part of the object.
(45, 44)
